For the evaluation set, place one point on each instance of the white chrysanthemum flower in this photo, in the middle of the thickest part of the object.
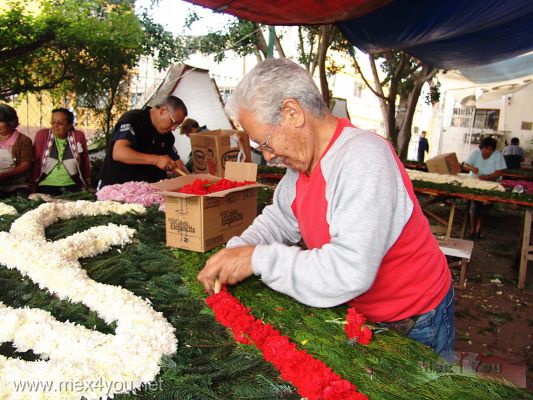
(458, 180)
(72, 352)
(6, 209)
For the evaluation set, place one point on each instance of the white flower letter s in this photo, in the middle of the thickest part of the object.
(70, 352)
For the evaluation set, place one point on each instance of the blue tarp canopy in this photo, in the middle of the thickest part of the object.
(448, 34)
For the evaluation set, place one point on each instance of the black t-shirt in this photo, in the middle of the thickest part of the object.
(136, 127)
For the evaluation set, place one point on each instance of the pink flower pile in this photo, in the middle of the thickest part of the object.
(132, 192)
(509, 183)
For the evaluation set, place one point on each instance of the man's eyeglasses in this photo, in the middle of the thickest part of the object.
(265, 146)
(175, 123)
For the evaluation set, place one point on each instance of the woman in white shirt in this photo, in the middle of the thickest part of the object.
(488, 164)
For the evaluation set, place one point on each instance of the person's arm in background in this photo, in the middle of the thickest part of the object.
(467, 167)
(469, 164)
(124, 153)
(176, 157)
(25, 157)
(84, 159)
(493, 176)
(23, 167)
(499, 167)
(38, 150)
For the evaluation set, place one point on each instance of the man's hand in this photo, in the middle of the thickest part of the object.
(165, 163)
(229, 266)
(181, 166)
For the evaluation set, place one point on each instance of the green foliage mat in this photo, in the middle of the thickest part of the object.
(450, 188)
(208, 363)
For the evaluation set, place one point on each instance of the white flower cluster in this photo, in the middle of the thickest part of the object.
(7, 209)
(70, 352)
(462, 180)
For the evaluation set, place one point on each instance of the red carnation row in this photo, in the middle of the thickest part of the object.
(354, 328)
(311, 377)
(203, 186)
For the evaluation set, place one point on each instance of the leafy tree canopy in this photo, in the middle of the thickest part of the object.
(74, 43)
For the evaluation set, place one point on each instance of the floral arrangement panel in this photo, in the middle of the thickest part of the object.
(139, 299)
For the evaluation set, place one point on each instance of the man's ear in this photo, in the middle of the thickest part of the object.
(293, 113)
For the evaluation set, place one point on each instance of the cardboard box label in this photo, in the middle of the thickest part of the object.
(200, 223)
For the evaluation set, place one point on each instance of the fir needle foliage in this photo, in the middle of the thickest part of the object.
(208, 363)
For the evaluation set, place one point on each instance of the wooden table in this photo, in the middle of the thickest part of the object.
(528, 176)
(526, 248)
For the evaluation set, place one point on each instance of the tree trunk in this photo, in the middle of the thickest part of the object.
(383, 102)
(405, 131)
(401, 112)
(262, 45)
(326, 36)
(279, 47)
(390, 117)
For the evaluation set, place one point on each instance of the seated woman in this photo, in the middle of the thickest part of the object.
(488, 164)
(16, 155)
(61, 156)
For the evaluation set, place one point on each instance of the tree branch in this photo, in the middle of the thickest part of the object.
(47, 37)
(358, 68)
(278, 45)
(261, 42)
(35, 88)
(377, 83)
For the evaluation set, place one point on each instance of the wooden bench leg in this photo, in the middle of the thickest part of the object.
(462, 275)
(450, 220)
(526, 234)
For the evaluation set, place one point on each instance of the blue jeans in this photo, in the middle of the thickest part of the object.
(436, 328)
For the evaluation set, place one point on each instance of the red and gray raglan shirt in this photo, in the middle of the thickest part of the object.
(368, 242)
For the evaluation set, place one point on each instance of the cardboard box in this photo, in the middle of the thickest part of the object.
(201, 223)
(444, 164)
(212, 149)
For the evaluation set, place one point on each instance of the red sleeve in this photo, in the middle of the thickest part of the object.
(38, 146)
(84, 159)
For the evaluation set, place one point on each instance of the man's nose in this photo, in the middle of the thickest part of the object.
(268, 155)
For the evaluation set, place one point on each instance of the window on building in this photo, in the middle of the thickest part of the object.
(462, 117)
(357, 89)
(486, 119)
(527, 126)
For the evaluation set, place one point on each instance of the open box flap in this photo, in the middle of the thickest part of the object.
(223, 193)
(240, 171)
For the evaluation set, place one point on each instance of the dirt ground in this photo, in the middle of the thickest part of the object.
(493, 317)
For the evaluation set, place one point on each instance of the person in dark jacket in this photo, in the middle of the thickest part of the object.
(142, 146)
(423, 147)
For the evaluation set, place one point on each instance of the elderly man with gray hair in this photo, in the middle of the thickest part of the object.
(347, 195)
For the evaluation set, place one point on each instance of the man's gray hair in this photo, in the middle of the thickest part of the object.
(268, 84)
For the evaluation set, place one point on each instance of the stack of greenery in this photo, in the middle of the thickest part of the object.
(208, 363)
